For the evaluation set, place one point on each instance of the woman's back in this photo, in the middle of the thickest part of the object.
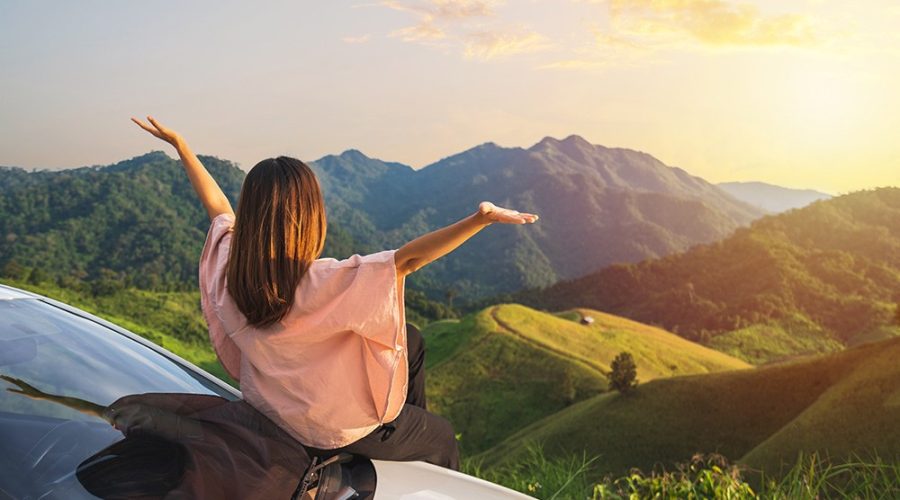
(334, 368)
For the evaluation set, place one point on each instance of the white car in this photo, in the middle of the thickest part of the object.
(90, 410)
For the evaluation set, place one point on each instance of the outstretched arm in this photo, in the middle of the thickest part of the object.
(434, 245)
(211, 195)
(28, 390)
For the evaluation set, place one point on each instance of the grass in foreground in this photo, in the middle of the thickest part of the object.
(704, 476)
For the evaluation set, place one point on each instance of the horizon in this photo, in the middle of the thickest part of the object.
(797, 96)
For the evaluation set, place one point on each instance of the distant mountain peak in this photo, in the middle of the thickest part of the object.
(573, 140)
(154, 155)
(485, 146)
(772, 198)
(577, 139)
(354, 154)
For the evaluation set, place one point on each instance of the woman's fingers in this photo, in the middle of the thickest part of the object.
(139, 123)
(19, 382)
(147, 128)
(158, 130)
(515, 217)
(157, 125)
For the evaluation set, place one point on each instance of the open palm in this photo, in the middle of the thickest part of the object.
(502, 215)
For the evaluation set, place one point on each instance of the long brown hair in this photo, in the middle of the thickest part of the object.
(279, 231)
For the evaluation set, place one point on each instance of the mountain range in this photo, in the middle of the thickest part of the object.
(138, 221)
(771, 198)
(598, 206)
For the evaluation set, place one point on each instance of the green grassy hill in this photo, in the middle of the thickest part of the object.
(506, 366)
(859, 413)
(838, 403)
(776, 340)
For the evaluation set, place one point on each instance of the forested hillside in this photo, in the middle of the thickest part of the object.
(136, 223)
(830, 272)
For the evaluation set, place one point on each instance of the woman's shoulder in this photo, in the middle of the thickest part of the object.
(325, 264)
(328, 278)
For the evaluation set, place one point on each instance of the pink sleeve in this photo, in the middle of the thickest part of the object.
(374, 301)
(213, 292)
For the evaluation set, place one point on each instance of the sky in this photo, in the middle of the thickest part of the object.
(798, 93)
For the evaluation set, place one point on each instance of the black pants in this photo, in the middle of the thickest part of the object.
(415, 434)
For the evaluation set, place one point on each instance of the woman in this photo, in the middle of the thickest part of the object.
(320, 346)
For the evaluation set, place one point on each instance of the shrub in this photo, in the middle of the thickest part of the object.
(705, 476)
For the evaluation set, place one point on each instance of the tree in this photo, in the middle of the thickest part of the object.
(38, 276)
(13, 270)
(622, 375)
(108, 282)
(451, 294)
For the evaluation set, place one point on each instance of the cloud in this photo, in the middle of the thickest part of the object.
(469, 26)
(580, 64)
(356, 39)
(710, 22)
(487, 45)
(423, 31)
(641, 32)
(443, 10)
(432, 13)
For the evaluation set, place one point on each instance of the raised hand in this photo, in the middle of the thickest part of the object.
(214, 200)
(160, 131)
(25, 388)
(493, 213)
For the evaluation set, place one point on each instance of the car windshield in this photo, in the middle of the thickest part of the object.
(88, 412)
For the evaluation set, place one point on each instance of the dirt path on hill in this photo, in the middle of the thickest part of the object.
(509, 329)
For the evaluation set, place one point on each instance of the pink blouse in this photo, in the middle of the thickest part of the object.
(334, 368)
